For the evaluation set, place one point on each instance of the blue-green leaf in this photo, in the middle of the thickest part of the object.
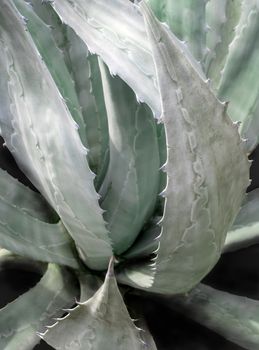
(186, 19)
(222, 16)
(21, 319)
(43, 138)
(234, 317)
(239, 81)
(101, 322)
(120, 40)
(245, 231)
(132, 180)
(203, 151)
(28, 201)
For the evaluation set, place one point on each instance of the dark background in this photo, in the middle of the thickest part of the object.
(236, 272)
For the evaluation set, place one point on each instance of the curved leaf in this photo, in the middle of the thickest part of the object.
(147, 242)
(85, 86)
(101, 322)
(88, 83)
(24, 226)
(186, 19)
(222, 16)
(120, 40)
(26, 200)
(203, 151)
(22, 318)
(239, 82)
(52, 56)
(42, 136)
(30, 237)
(89, 284)
(245, 231)
(234, 317)
(132, 179)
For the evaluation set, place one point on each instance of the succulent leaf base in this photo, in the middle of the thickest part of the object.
(125, 117)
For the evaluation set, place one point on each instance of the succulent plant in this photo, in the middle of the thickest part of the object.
(118, 113)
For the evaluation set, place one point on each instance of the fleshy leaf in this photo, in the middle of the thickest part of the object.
(121, 41)
(28, 201)
(89, 284)
(85, 76)
(43, 138)
(24, 226)
(52, 56)
(88, 83)
(27, 236)
(239, 82)
(132, 179)
(234, 317)
(245, 231)
(186, 19)
(147, 242)
(222, 16)
(204, 150)
(101, 322)
(22, 318)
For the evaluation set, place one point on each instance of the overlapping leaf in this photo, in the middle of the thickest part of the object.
(26, 226)
(52, 56)
(203, 151)
(222, 17)
(20, 319)
(245, 231)
(239, 82)
(234, 317)
(101, 322)
(186, 19)
(132, 181)
(42, 135)
(121, 41)
(85, 78)
(23, 198)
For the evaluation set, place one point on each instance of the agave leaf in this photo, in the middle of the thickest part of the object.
(147, 242)
(86, 74)
(101, 322)
(121, 41)
(245, 231)
(85, 78)
(136, 307)
(234, 317)
(44, 10)
(186, 19)
(30, 237)
(89, 284)
(203, 151)
(132, 179)
(239, 83)
(22, 318)
(222, 16)
(26, 200)
(30, 103)
(52, 56)
(25, 227)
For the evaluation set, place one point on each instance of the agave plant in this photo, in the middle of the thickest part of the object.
(118, 114)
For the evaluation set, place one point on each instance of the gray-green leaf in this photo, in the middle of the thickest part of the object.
(132, 179)
(234, 317)
(101, 322)
(43, 138)
(245, 231)
(22, 318)
(203, 151)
